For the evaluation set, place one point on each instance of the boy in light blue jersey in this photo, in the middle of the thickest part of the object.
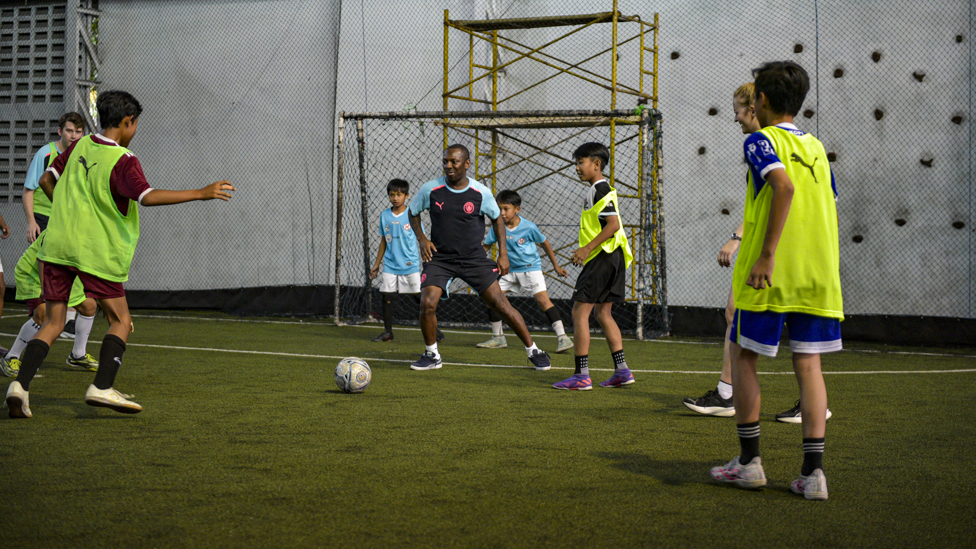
(525, 269)
(399, 255)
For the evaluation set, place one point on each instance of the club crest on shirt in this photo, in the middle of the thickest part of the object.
(389, 238)
(406, 226)
(521, 241)
(469, 207)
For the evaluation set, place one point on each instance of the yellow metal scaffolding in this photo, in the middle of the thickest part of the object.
(627, 31)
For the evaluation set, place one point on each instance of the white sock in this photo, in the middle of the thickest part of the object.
(83, 328)
(70, 316)
(558, 326)
(528, 350)
(496, 328)
(433, 349)
(724, 389)
(27, 333)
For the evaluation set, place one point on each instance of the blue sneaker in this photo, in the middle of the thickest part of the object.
(428, 361)
(540, 360)
(576, 382)
(619, 378)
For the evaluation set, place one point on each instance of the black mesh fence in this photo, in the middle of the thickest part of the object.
(529, 152)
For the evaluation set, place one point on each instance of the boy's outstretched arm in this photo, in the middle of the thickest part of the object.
(379, 258)
(613, 224)
(498, 224)
(160, 197)
(552, 257)
(762, 271)
(427, 247)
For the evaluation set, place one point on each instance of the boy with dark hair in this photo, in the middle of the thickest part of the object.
(399, 255)
(523, 237)
(790, 230)
(37, 206)
(525, 269)
(458, 206)
(605, 256)
(92, 235)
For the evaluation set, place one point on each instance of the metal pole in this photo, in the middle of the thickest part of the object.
(656, 53)
(338, 252)
(613, 97)
(641, 257)
(659, 220)
(363, 200)
(447, 68)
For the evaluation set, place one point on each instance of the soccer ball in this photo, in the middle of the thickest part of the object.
(352, 375)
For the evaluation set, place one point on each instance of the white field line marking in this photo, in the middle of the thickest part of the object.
(373, 326)
(482, 365)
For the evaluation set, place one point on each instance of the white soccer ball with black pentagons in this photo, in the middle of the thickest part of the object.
(352, 375)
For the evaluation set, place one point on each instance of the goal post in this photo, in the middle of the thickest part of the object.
(526, 151)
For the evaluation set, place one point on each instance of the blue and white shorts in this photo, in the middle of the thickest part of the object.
(761, 332)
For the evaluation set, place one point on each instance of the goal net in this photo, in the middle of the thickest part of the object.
(526, 151)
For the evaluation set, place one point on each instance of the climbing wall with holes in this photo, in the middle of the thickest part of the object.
(890, 98)
(894, 113)
(32, 60)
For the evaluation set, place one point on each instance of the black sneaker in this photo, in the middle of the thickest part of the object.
(69, 330)
(793, 415)
(385, 336)
(428, 361)
(711, 404)
(540, 359)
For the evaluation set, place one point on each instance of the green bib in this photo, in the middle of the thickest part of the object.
(27, 275)
(87, 231)
(590, 227)
(806, 274)
(42, 204)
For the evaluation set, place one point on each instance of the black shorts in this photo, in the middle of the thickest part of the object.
(602, 279)
(479, 272)
(41, 220)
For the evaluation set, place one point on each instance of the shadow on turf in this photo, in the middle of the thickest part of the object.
(48, 405)
(670, 472)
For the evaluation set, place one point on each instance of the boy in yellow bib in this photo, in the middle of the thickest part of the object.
(605, 256)
(787, 272)
(28, 277)
(96, 187)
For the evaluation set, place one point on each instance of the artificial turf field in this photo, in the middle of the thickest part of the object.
(245, 441)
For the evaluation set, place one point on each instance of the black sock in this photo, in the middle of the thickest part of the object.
(552, 315)
(387, 312)
(813, 449)
(582, 364)
(618, 360)
(109, 361)
(749, 441)
(31, 360)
